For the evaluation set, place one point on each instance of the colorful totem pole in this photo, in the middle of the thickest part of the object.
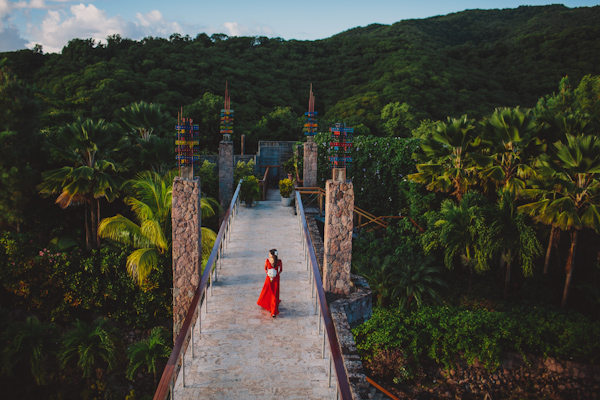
(310, 122)
(340, 150)
(187, 146)
(227, 117)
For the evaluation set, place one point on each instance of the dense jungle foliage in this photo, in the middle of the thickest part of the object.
(460, 133)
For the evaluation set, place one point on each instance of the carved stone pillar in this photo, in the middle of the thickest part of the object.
(186, 218)
(225, 171)
(309, 172)
(339, 209)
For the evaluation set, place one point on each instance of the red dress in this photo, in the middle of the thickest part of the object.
(269, 297)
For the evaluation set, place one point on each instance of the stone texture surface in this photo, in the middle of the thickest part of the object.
(225, 173)
(339, 209)
(243, 353)
(309, 172)
(358, 306)
(187, 250)
(317, 240)
(352, 306)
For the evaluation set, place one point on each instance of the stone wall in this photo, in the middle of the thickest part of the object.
(347, 313)
(339, 210)
(187, 246)
(359, 304)
(317, 240)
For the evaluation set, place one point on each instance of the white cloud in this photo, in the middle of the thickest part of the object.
(152, 17)
(235, 29)
(7, 7)
(84, 22)
(153, 23)
(87, 21)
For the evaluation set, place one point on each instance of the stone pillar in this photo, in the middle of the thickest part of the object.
(225, 171)
(339, 209)
(186, 218)
(309, 172)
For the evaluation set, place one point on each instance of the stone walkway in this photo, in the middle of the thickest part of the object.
(244, 353)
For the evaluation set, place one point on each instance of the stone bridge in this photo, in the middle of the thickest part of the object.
(242, 352)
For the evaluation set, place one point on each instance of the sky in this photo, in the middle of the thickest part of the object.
(52, 23)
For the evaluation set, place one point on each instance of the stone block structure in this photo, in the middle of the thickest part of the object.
(309, 172)
(187, 246)
(352, 361)
(225, 171)
(339, 209)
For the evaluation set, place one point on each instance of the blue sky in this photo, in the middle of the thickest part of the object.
(52, 23)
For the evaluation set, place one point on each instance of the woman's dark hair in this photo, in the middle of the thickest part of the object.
(273, 252)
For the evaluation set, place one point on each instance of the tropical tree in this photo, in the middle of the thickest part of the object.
(510, 142)
(88, 146)
(148, 352)
(398, 120)
(570, 199)
(418, 278)
(380, 276)
(19, 160)
(29, 343)
(87, 343)
(511, 234)
(460, 230)
(445, 162)
(150, 201)
(401, 279)
(142, 120)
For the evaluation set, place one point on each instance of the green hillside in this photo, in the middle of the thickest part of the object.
(467, 62)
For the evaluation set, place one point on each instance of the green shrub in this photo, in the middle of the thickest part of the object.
(242, 170)
(68, 285)
(286, 187)
(447, 334)
(209, 179)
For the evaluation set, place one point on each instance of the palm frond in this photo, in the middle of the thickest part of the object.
(141, 262)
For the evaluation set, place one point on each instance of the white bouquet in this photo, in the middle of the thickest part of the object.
(271, 273)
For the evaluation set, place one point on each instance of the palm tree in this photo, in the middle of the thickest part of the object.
(510, 142)
(28, 343)
(143, 120)
(87, 343)
(571, 202)
(513, 236)
(381, 279)
(401, 279)
(460, 230)
(446, 163)
(417, 278)
(150, 201)
(148, 352)
(145, 126)
(537, 189)
(561, 123)
(87, 145)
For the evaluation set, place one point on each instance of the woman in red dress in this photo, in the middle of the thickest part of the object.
(269, 297)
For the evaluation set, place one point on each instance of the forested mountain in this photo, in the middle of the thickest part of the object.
(86, 169)
(468, 62)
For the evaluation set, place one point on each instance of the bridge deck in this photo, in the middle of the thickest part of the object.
(244, 353)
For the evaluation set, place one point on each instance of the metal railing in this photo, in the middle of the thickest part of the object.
(324, 319)
(317, 195)
(176, 362)
(381, 389)
(263, 183)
